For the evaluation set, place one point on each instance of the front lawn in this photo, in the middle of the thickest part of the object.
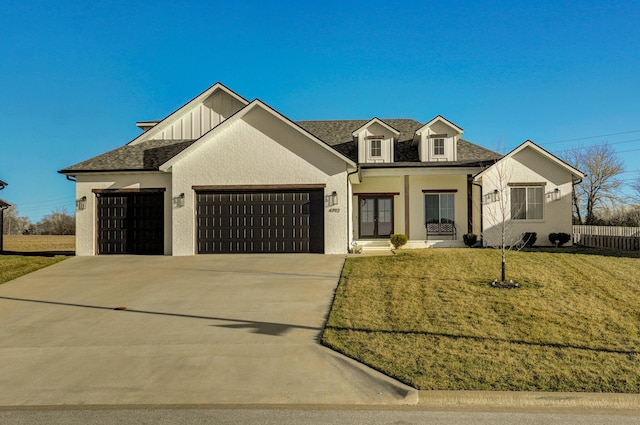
(25, 254)
(430, 319)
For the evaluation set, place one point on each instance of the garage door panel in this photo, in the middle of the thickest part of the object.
(130, 223)
(259, 222)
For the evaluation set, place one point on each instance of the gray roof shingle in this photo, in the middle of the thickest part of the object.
(144, 156)
(151, 154)
(338, 135)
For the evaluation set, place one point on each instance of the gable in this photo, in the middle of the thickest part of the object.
(196, 117)
(276, 128)
(529, 157)
(247, 153)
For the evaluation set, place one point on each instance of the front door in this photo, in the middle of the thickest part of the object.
(376, 216)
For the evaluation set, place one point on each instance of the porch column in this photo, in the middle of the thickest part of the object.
(469, 203)
(407, 226)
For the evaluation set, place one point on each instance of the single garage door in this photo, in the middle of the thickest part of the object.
(131, 222)
(260, 221)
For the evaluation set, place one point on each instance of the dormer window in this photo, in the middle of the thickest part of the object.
(437, 140)
(375, 141)
(438, 147)
(375, 149)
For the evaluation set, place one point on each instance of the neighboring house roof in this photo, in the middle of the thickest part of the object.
(4, 204)
(3, 184)
(528, 144)
(338, 134)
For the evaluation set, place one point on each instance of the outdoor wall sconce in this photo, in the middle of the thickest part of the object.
(178, 201)
(81, 203)
(331, 200)
(493, 196)
(555, 195)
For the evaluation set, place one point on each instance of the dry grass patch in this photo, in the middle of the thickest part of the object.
(39, 243)
(429, 318)
(24, 254)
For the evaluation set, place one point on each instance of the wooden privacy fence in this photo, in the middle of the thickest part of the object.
(612, 237)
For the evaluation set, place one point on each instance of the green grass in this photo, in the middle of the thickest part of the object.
(25, 254)
(430, 319)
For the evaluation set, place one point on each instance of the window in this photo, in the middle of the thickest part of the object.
(438, 147)
(527, 202)
(376, 148)
(438, 208)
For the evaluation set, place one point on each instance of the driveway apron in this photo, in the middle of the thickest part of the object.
(209, 329)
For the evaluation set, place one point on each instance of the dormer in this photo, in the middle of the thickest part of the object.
(437, 140)
(375, 142)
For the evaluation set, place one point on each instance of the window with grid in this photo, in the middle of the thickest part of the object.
(527, 203)
(376, 148)
(438, 147)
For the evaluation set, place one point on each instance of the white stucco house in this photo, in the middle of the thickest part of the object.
(223, 175)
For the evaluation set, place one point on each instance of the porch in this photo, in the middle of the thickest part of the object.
(381, 245)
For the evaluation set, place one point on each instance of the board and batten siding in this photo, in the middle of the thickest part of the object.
(196, 121)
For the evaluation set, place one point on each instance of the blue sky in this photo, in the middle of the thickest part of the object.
(76, 76)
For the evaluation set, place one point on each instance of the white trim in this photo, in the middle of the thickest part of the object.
(440, 118)
(412, 171)
(372, 121)
(167, 121)
(529, 144)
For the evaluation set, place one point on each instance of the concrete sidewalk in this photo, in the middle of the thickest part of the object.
(223, 329)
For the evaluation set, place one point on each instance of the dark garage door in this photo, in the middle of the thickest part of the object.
(260, 221)
(131, 223)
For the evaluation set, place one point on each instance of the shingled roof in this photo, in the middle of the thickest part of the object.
(143, 156)
(338, 135)
(151, 154)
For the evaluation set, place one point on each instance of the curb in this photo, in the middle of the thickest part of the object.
(491, 400)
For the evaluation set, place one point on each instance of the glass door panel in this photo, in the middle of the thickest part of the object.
(367, 217)
(376, 217)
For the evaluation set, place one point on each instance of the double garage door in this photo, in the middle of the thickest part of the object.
(260, 221)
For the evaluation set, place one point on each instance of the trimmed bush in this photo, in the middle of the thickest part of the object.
(559, 239)
(397, 240)
(470, 239)
(529, 238)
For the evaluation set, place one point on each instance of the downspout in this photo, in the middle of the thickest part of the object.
(350, 216)
(574, 199)
(71, 178)
(481, 208)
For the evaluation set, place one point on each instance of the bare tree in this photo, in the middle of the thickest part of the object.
(14, 224)
(636, 189)
(600, 186)
(498, 211)
(59, 222)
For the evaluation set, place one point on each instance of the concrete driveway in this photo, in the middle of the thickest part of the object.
(221, 329)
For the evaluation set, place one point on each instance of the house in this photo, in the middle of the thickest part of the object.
(222, 174)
